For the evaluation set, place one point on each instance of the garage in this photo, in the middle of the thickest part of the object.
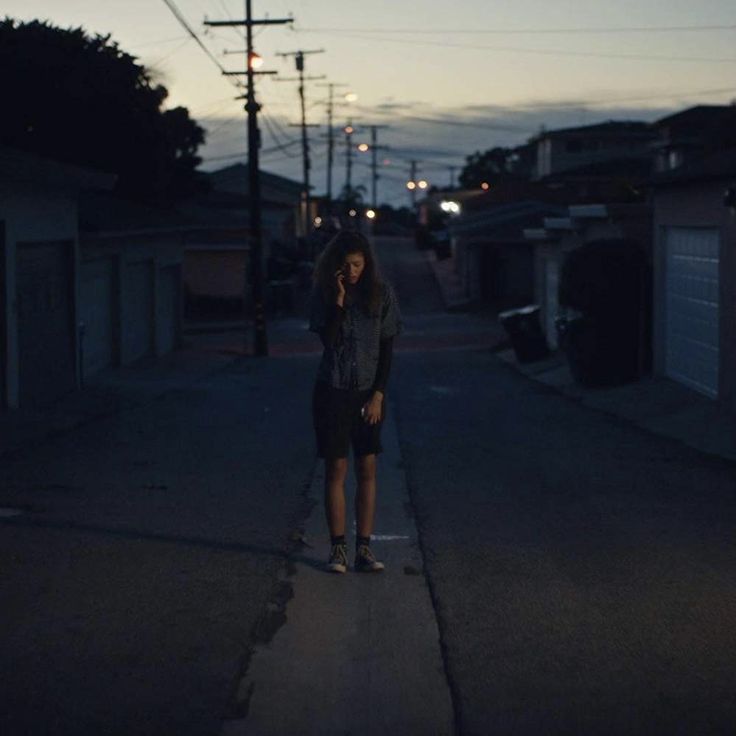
(97, 314)
(692, 307)
(46, 365)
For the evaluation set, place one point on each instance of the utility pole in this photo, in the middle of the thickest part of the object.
(452, 176)
(330, 136)
(375, 148)
(307, 197)
(260, 337)
(349, 130)
(413, 188)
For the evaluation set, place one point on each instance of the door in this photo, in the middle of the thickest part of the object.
(97, 314)
(168, 302)
(45, 322)
(138, 323)
(692, 307)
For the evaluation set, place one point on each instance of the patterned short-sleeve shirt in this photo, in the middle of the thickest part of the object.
(353, 360)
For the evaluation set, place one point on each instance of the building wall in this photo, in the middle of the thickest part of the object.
(147, 312)
(699, 205)
(557, 154)
(212, 271)
(32, 214)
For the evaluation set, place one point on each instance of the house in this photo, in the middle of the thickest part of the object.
(689, 134)
(568, 149)
(694, 225)
(492, 258)
(217, 250)
(40, 276)
(579, 225)
(281, 201)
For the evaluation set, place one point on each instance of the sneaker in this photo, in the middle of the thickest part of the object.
(338, 561)
(365, 561)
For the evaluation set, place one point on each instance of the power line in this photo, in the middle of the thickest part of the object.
(524, 31)
(543, 52)
(171, 5)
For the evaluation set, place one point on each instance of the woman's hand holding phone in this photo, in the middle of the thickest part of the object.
(340, 286)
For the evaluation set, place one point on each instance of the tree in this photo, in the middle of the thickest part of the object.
(81, 99)
(490, 166)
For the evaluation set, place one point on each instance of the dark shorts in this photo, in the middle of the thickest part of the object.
(338, 424)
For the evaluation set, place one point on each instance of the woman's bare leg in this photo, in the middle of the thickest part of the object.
(365, 498)
(336, 471)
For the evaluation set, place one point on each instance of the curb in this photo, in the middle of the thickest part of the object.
(658, 405)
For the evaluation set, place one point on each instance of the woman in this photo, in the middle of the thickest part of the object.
(357, 316)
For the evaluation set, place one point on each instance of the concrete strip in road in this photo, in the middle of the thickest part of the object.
(359, 653)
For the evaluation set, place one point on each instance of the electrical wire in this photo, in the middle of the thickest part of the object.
(525, 31)
(543, 52)
(171, 5)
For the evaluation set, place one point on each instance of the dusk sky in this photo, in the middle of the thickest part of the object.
(448, 78)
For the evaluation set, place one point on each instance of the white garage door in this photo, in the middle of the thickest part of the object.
(97, 314)
(692, 337)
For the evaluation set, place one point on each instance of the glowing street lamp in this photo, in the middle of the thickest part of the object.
(256, 60)
(351, 97)
(450, 207)
(485, 186)
(363, 147)
(411, 185)
(422, 184)
(349, 129)
(317, 221)
(353, 213)
(370, 214)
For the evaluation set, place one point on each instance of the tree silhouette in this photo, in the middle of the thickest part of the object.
(490, 166)
(81, 99)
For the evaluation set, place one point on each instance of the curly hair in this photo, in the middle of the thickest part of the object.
(370, 286)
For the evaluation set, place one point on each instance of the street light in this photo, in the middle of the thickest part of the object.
(411, 185)
(349, 129)
(450, 206)
(363, 147)
(370, 214)
(422, 184)
(351, 97)
(255, 60)
(353, 213)
(485, 186)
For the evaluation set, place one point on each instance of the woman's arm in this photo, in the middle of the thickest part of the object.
(385, 355)
(373, 409)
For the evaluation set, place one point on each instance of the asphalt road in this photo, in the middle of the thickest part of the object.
(580, 570)
(133, 585)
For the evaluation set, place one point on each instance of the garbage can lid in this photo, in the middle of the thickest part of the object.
(528, 309)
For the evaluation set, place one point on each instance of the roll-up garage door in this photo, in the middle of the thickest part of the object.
(96, 312)
(138, 319)
(692, 305)
(45, 322)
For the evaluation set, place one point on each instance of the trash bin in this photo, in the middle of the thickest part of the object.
(525, 332)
